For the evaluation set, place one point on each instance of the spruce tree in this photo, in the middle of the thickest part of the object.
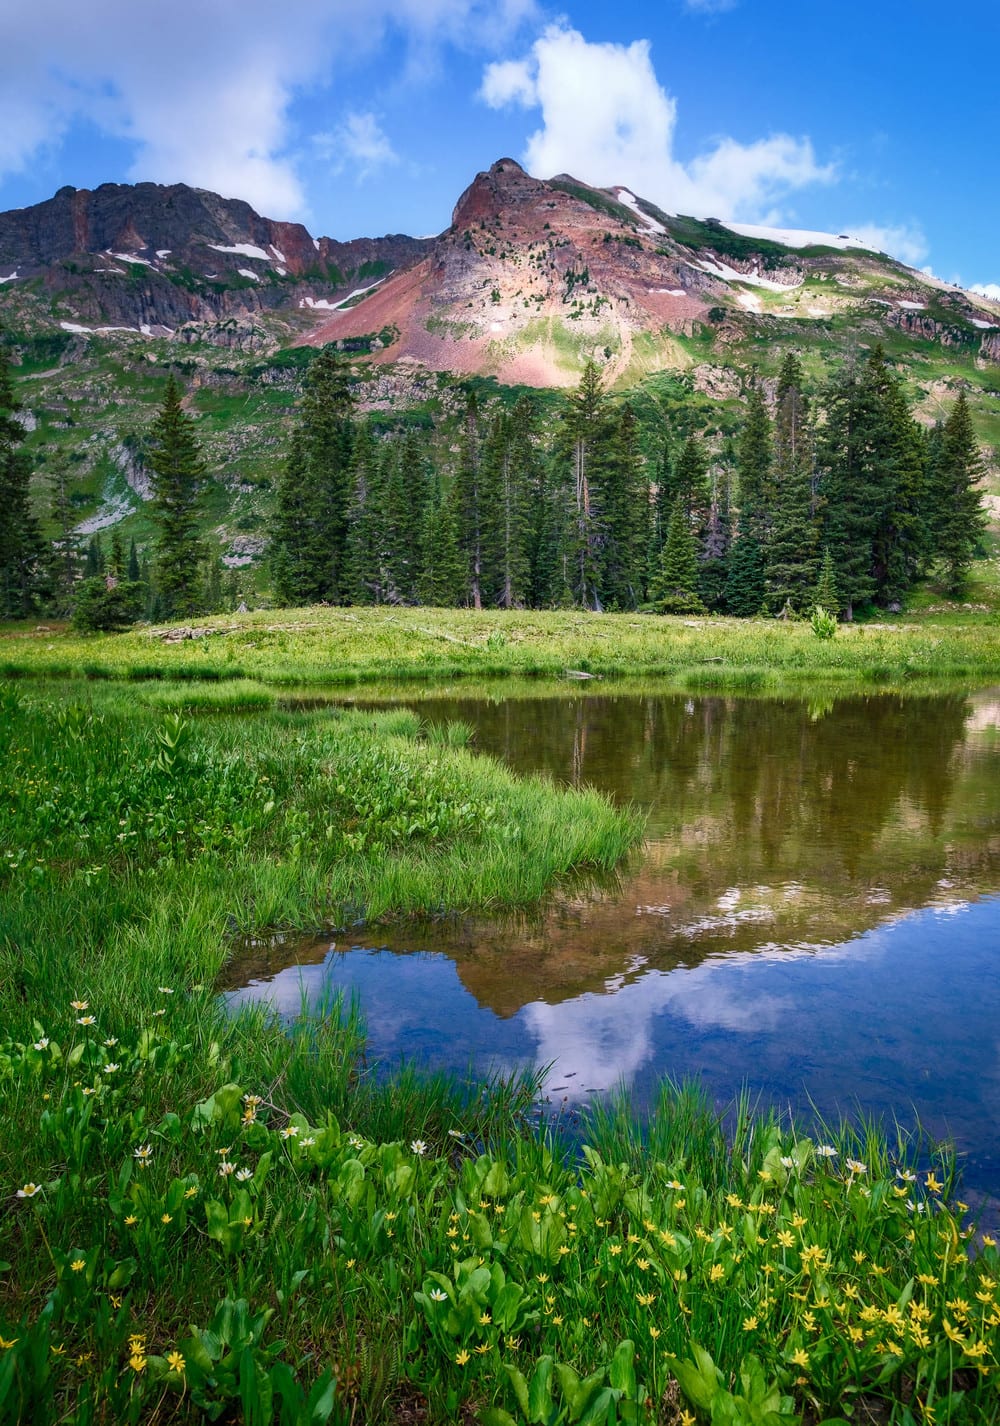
(444, 578)
(311, 515)
(745, 589)
(363, 573)
(505, 471)
(23, 552)
(580, 447)
(624, 524)
(825, 595)
(64, 556)
(755, 466)
(790, 550)
(713, 572)
(470, 500)
(675, 588)
(959, 518)
(178, 474)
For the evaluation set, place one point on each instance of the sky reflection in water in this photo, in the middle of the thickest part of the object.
(813, 917)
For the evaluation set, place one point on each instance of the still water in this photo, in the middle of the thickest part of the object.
(815, 915)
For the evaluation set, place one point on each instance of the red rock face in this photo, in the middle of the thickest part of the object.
(532, 279)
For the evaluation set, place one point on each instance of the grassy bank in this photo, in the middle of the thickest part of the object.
(214, 1219)
(343, 646)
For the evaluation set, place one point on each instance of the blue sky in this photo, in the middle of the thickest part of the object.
(362, 117)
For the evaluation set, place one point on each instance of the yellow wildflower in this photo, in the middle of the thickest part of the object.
(461, 1358)
(78, 1265)
(175, 1362)
(800, 1358)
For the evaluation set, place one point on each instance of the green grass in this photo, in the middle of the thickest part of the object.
(220, 1218)
(343, 646)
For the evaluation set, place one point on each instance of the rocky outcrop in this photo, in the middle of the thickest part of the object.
(148, 256)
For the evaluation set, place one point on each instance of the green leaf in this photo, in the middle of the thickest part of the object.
(622, 1370)
(540, 1392)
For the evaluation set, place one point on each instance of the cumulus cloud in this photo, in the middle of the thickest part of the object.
(904, 241)
(607, 119)
(203, 91)
(987, 289)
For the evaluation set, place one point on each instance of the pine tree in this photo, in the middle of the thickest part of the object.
(755, 465)
(22, 550)
(444, 577)
(675, 589)
(713, 572)
(624, 509)
(745, 588)
(505, 564)
(311, 515)
(406, 492)
(363, 582)
(64, 556)
(959, 518)
(790, 551)
(178, 473)
(579, 451)
(93, 560)
(825, 595)
(470, 500)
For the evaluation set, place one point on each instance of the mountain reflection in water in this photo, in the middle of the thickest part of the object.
(813, 915)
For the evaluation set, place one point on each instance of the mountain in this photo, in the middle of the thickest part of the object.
(158, 259)
(534, 277)
(103, 291)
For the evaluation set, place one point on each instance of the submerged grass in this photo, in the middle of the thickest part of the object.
(213, 1218)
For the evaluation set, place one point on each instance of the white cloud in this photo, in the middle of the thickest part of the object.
(203, 90)
(607, 119)
(987, 289)
(359, 143)
(710, 7)
(904, 241)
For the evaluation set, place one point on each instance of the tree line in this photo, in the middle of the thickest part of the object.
(844, 500)
(837, 498)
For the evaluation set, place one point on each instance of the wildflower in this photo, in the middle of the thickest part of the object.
(165, 989)
(800, 1358)
(928, 1279)
(989, 1242)
(110, 1043)
(131, 1221)
(933, 1186)
(456, 1134)
(557, 1321)
(485, 1319)
(789, 1161)
(482, 1349)
(563, 1250)
(115, 1299)
(436, 1295)
(159, 1012)
(461, 1358)
(645, 1299)
(137, 1342)
(642, 1264)
(667, 1239)
(307, 1142)
(677, 1187)
(143, 1153)
(112, 1068)
(785, 1238)
(907, 1175)
(192, 1192)
(137, 1362)
(88, 1090)
(80, 1004)
(7, 1344)
(654, 1332)
(854, 1167)
(825, 1151)
(615, 1249)
(77, 1265)
(749, 1324)
(86, 1019)
(226, 1168)
(717, 1272)
(29, 1190)
(289, 1131)
(542, 1277)
(856, 1335)
(242, 1175)
(952, 1333)
(419, 1148)
(798, 1221)
(512, 1343)
(687, 1419)
(43, 1043)
(175, 1362)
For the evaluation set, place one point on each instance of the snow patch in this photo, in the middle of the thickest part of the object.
(281, 272)
(131, 257)
(243, 250)
(985, 326)
(10, 277)
(912, 306)
(750, 301)
(318, 302)
(796, 237)
(75, 327)
(671, 291)
(631, 201)
(279, 254)
(245, 272)
(754, 279)
(316, 244)
(359, 292)
(163, 252)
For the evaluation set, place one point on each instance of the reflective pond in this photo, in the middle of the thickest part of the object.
(815, 915)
